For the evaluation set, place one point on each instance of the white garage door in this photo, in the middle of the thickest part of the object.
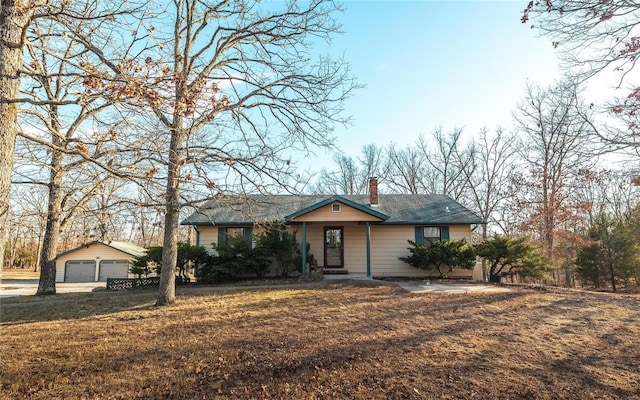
(80, 271)
(113, 269)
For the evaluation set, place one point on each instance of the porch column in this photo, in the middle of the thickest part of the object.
(304, 249)
(368, 236)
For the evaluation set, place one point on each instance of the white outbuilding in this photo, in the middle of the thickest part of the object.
(96, 261)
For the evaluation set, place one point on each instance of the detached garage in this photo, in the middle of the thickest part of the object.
(97, 261)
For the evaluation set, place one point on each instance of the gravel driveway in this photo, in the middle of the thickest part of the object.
(28, 287)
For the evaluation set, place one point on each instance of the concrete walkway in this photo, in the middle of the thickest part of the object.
(428, 287)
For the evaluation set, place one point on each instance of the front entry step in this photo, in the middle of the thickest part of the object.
(335, 271)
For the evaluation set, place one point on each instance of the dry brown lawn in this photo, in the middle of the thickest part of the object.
(333, 341)
(20, 273)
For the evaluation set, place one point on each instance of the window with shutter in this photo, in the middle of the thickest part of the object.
(425, 235)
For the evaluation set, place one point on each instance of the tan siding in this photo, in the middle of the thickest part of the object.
(315, 235)
(457, 232)
(355, 248)
(325, 214)
(389, 242)
(207, 236)
(95, 252)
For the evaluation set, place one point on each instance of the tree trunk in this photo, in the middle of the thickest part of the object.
(567, 276)
(13, 17)
(613, 277)
(39, 250)
(167, 292)
(47, 284)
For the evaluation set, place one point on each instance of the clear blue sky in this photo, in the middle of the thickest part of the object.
(427, 64)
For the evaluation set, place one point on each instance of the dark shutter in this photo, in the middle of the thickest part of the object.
(419, 235)
(444, 233)
(248, 235)
(222, 235)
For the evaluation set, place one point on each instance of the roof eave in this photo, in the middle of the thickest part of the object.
(91, 244)
(339, 199)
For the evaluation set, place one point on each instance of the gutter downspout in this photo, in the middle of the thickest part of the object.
(195, 228)
(304, 249)
(368, 239)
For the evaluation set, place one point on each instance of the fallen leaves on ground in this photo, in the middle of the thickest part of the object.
(338, 341)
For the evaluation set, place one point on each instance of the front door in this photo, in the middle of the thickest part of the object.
(333, 247)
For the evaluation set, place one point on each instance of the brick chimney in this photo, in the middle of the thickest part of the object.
(373, 191)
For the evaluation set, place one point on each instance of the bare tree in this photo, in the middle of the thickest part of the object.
(553, 146)
(352, 176)
(72, 185)
(29, 210)
(108, 211)
(447, 158)
(608, 30)
(344, 180)
(607, 192)
(146, 216)
(596, 37)
(432, 165)
(406, 170)
(234, 89)
(15, 17)
(489, 175)
(61, 123)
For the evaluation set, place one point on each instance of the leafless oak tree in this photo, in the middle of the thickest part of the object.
(15, 17)
(63, 125)
(447, 158)
(554, 148)
(352, 176)
(489, 174)
(406, 169)
(597, 36)
(233, 87)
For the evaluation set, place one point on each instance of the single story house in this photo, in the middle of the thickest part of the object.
(96, 261)
(358, 234)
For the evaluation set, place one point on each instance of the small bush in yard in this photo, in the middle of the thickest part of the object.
(508, 256)
(444, 256)
(211, 273)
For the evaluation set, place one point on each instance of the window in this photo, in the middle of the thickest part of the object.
(425, 235)
(234, 232)
(224, 233)
(335, 207)
(431, 234)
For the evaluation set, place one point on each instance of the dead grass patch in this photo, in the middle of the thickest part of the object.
(19, 273)
(341, 340)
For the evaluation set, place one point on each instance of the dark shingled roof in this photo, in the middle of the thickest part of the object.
(401, 209)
